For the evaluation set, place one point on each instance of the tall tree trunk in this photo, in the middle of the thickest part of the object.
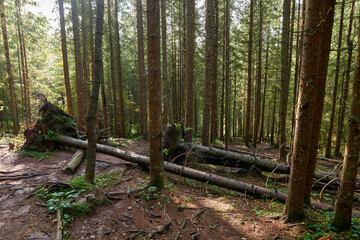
(272, 132)
(262, 132)
(112, 64)
(227, 74)
(294, 209)
(190, 43)
(342, 218)
(65, 58)
(345, 94)
(328, 16)
(119, 74)
(9, 70)
(249, 85)
(208, 71)
(153, 36)
(285, 79)
(214, 108)
(92, 49)
(296, 74)
(166, 100)
(86, 80)
(78, 66)
(141, 69)
(27, 80)
(336, 80)
(93, 102)
(222, 110)
(258, 82)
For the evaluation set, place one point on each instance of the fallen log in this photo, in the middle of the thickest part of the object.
(232, 159)
(186, 172)
(74, 162)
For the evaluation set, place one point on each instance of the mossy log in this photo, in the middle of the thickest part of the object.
(220, 157)
(187, 172)
(74, 162)
(53, 121)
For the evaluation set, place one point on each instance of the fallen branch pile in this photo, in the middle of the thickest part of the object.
(232, 159)
(186, 172)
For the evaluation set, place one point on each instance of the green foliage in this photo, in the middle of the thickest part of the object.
(273, 208)
(103, 180)
(80, 184)
(319, 225)
(35, 154)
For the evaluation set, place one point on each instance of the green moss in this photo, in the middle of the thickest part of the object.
(103, 180)
(79, 210)
(35, 154)
(80, 184)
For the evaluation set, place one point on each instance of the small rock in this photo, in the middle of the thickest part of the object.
(129, 208)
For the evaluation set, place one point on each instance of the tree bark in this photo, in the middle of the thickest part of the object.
(208, 71)
(9, 70)
(336, 80)
(74, 162)
(258, 82)
(86, 79)
(166, 101)
(227, 74)
(93, 102)
(345, 94)
(262, 132)
(119, 74)
(294, 209)
(328, 16)
(78, 66)
(153, 36)
(342, 218)
(65, 58)
(141, 70)
(112, 64)
(285, 79)
(249, 85)
(190, 44)
(214, 108)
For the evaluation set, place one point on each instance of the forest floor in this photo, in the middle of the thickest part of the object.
(189, 210)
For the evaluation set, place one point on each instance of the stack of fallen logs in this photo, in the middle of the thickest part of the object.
(224, 158)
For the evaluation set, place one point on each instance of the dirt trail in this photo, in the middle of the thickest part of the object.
(222, 214)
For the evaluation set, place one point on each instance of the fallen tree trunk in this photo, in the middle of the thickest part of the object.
(220, 157)
(187, 172)
(74, 162)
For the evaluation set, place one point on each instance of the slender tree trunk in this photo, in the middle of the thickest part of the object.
(190, 44)
(336, 80)
(258, 82)
(345, 94)
(166, 100)
(342, 219)
(9, 70)
(227, 74)
(92, 49)
(296, 75)
(65, 58)
(328, 15)
(78, 66)
(103, 99)
(248, 100)
(214, 108)
(208, 71)
(93, 102)
(262, 132)
(86, 79)
(153, 36)
(119, 75)
(222, 110)
(27, 80)
(112, 63)
(294, 209)
(23, 72)
(285, 79)
(141, 69)
(272, 133)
